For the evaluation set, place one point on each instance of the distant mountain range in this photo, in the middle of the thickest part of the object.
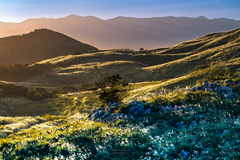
(38, 45)
(125, 32)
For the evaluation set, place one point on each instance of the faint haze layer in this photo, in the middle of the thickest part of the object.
(19, 10)
(125, 32)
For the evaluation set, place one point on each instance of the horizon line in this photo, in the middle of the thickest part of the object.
(118, 17)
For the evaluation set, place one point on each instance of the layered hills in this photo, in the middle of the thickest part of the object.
(125, 32)
(161, 115)
(147, 72)
(38, 45)
(151, 65)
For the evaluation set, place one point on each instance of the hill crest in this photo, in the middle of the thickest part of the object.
(38, 45)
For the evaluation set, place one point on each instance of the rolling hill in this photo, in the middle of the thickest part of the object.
(169, 120)
(38, 45)
(152, 65)
(125, 32)
(147, 72)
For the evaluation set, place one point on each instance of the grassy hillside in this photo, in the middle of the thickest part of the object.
(38, 45)
(147, 72)
(151, 65)
(57, 128)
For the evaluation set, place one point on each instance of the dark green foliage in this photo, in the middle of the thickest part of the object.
(20, 72)
(66, 89)
(124, 108)
(31, 94)
(236, 80)
(200, 97)
(93, 89)
(110, 89)
(236, 88)
(37, 94)
(219, 74)
(13, 90)
(54, 93)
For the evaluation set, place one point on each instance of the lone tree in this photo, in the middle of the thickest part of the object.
(142, 50)
(111, 89)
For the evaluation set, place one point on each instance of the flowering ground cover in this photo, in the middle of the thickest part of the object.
(210, 131)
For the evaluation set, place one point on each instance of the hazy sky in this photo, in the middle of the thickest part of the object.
(20, 10)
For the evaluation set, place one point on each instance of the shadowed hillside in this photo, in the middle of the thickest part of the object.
(38, 45)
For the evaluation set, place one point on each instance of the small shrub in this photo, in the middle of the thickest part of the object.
(54, 94)
(124, 108)
(66, 89)
(35, 95)
(219, 74)
(13, 90)
(111, 89)
(93, 89)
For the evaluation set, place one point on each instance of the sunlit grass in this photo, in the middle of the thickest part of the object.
(57, 128)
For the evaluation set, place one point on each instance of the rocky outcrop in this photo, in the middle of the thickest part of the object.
(139, 109)
(109, 115)
(170, 109)
(185, 154)
(96, 115)
(216, 87)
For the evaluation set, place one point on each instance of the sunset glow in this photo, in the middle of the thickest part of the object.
(20, 10)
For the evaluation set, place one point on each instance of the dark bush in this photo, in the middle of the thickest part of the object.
(111, 89)
(22, 71)
(219, 74)
(31, 94)
(66, 89)
(43, 92)
(34, 95)
(54, 94)
(13, 90)
(37, 94)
